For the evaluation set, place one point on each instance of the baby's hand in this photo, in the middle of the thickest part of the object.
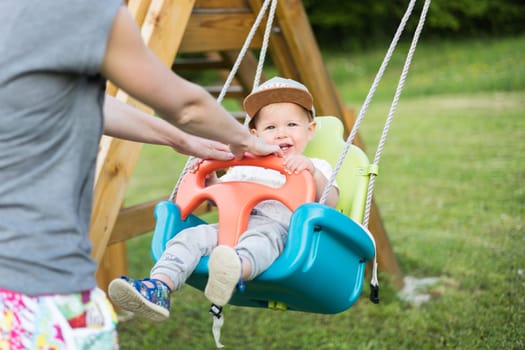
(194, 165)
(212, 178)
(295, 163)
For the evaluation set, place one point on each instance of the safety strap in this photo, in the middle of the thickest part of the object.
(218, 322)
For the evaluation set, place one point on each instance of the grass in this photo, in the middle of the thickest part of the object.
(451, 194)
(437, 68)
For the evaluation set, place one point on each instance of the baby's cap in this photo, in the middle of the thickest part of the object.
(277, 90)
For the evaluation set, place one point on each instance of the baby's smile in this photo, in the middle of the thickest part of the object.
(285, 147)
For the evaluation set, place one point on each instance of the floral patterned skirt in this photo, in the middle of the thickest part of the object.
(83, 320)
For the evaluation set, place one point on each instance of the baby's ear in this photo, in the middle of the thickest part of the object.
(253, 132)
(311, 129)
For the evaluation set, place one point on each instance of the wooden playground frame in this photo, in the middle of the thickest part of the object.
(217, 29)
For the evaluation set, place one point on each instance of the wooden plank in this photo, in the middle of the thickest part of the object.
(134, 221)
(164, 26)
(223, 4)
(247, 69)
(281, 57)
(234, 91)
(348, 119)
(306, 56)
(139, 219)
(110, 188)
(198, 63)
(218, 32)
(117, 158)
(139, 9)
(113, 265)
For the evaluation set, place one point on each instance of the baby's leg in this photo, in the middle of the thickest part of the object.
(260, 245)
(183, 253)
(150, 297)
(257, 249)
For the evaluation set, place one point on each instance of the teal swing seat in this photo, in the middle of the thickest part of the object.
(322, 266)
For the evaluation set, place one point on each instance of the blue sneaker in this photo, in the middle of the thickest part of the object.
(152, 303)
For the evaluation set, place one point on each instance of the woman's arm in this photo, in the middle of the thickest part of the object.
(124, 121)
(134, 68)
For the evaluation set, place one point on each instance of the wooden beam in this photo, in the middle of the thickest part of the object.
(162, 31)
(236, 5)
(281, 56)
(198, 63)
(139, 219)
(114, 264)
(306, 55)
(139, 9)
(234, 91)
(134, 221)
(218, 32)
(247, 69)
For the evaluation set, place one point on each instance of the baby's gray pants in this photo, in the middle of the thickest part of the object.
(261, 244)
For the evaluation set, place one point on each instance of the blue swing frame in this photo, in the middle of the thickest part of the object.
(323, 263)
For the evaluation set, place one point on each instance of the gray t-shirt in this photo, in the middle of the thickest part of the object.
(51, 121)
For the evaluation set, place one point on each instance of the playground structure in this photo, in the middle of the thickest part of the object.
(215, 29)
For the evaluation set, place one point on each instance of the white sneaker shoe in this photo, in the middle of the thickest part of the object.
(224, 273)
(150, 302)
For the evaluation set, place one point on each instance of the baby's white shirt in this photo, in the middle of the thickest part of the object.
(272, 178)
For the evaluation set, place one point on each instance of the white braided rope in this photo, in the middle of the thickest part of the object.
(229, 79)
(393, 107)
(262, 54)
(368, 99)
(245, 48)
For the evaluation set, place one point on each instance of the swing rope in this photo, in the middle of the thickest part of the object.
(246, 45)
(368, 99)
(264, 49)
(373, 168)
(393, 107)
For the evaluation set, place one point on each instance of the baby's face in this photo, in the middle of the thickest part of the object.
(286, 125)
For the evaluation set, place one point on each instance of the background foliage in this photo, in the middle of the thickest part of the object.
(358, 24)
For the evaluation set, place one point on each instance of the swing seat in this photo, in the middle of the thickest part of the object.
(322, 266)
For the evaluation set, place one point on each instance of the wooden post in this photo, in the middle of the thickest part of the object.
(162, 30)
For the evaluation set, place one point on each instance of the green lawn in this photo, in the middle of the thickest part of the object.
(451, 194)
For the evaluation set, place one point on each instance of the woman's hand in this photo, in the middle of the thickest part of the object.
(255, 146)
(203, 148)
